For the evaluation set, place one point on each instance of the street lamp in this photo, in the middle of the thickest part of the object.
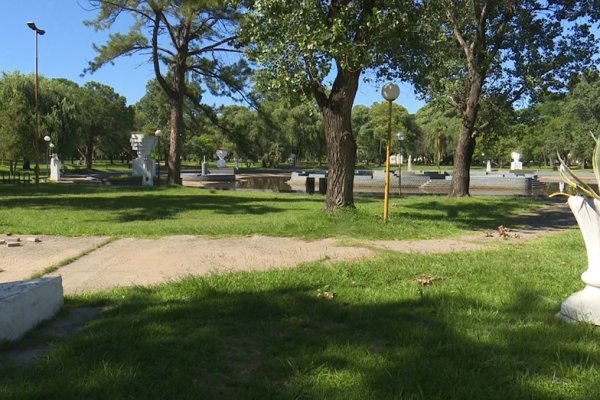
(390, 92)
(400, 136)
(158, 134)
(47, 140)
(36, 143)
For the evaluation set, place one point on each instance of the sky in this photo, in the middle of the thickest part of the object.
(66, 48)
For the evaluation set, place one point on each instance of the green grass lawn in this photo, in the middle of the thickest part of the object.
(484, 329)
(74, 210)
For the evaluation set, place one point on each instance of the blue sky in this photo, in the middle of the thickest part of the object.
(66, 48)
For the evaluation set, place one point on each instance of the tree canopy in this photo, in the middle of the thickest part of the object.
(321, 49)
(189, 38)
(489, 49)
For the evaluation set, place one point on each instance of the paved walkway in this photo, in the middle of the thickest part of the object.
(96, 263)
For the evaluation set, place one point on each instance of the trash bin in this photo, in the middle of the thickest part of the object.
(310, 185)
(322, 185)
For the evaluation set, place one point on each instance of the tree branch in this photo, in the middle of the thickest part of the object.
(155, 60)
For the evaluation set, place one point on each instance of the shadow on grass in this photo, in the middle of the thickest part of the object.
(488, 214)
(142, 204)
(204, 343)
(161, 203)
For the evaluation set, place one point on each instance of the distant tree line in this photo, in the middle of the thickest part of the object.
(82, 122)
(93, 121)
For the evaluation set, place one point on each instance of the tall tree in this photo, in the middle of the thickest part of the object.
(190, 38)
(439, 129)
(17, 117)
(503, 49)
(321, 48)
(62, 116)
(108, 121)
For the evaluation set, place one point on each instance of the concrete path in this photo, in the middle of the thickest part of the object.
(134, 261)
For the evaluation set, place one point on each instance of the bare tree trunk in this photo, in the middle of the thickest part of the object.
(342, 159)
(341, 143)
(461, 174)
(174, 160)
(89, 153)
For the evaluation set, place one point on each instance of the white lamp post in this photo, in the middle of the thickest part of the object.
(47, 140)
(390, 92)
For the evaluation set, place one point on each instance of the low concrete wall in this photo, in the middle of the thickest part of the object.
(24, 304)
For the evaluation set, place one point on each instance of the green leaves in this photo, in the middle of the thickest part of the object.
(118, 45)
(299, 43)
(575, 183)
(596, 161)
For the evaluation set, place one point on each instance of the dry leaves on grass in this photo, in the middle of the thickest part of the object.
(325, 293)
(504, 233)
(426, 279)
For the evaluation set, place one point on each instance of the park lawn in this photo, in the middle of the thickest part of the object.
(75, 210)
(484, 329)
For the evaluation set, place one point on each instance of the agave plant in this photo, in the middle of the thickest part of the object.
(576, 184)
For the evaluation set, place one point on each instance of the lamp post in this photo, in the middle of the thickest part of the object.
(390, 92)
(400, 136)
(47, 140)
(158, 134)
(36, 143)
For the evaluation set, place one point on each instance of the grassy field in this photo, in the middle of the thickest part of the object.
(74, 210)
(484, 328)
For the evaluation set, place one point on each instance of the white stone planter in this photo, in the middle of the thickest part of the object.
(585, 304)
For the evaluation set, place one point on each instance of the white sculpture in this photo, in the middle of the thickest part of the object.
(488, 167)
(409, 165)
(221, 154)
(516, 163)
(204, 167)
(143, 165)
(561, 184)
(55, 168)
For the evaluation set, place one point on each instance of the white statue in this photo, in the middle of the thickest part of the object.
(143, 165)
(516, 163)
(55, 168)
(221, 154)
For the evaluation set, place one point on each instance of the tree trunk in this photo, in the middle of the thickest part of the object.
(342, 159)
(341, 143)
(461, 172)
(89, 153)
(174, 160)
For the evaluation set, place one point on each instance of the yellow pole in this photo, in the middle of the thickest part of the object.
(386, 198)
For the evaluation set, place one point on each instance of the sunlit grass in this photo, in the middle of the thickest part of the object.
(135, 211)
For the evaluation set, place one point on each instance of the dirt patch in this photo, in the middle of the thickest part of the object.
(20, 263)
(132, 261)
